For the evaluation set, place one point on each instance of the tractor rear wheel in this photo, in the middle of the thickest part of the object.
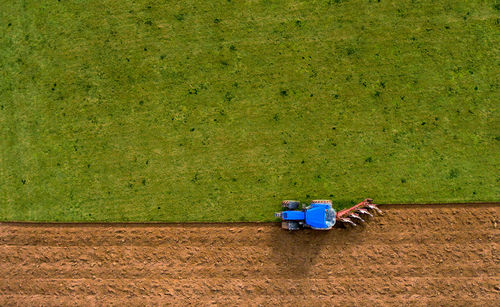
(290, 204)
(290, 225)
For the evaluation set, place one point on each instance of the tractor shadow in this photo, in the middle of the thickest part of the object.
(297, 253)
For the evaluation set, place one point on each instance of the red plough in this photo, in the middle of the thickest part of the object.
(353, 214)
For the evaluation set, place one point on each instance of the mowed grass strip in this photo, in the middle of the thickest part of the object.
(218, 110)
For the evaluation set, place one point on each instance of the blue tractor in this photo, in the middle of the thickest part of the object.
(320, 215)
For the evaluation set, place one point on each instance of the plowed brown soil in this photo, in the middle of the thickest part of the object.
(413, 255)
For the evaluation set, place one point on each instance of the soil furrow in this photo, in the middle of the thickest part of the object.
(471, 287)
(267, 237)
(263, 300)
(235, 256)
(161, 270)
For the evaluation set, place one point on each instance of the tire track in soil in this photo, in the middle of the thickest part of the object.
(420, 255)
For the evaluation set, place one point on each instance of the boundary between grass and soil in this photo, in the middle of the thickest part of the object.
(225, 224)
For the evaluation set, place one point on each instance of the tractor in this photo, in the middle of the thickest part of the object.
(320, 215)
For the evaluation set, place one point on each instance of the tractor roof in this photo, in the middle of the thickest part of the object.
(320, 216)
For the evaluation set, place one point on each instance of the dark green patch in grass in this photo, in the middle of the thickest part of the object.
(453, 173)
(350, 51)
(180, 16)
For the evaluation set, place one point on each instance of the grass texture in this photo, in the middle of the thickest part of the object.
(218, 110)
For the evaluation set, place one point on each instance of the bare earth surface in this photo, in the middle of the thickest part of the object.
(417, 256)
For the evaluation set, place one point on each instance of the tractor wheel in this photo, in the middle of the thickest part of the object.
(291, 225)
(321, 201)
(290, 204)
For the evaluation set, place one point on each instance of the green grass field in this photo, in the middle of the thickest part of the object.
(218, 110)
